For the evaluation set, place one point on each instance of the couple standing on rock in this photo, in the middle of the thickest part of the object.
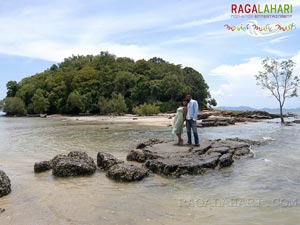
(187, 112)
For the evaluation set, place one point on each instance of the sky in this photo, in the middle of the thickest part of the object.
(36, 34)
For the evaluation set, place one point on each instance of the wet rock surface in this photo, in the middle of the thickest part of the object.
(221, 121)
(106, 160)
(213, 118)
(167, 159)
(296, 121)
(5, 185)
(150, 142)
(74, 164)
(225, 160)
(42, 166)
(126, 173)
(156, 156)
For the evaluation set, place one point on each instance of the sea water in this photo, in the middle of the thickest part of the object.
(261, 190)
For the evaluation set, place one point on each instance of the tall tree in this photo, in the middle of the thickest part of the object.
(76, 103)
(12, 88)
(14, 106)
(279, 79)
(40, 103)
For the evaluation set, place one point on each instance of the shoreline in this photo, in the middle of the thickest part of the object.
(160, 120)
(206, 118)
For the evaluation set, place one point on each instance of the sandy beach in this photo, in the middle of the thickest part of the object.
(161, 120)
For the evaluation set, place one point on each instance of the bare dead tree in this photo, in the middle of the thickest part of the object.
(278, 78)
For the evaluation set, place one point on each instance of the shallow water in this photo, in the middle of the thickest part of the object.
(262, 190)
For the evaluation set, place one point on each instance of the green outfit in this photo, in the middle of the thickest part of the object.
(178, 122)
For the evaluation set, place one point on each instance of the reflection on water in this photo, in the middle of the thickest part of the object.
(263, 190)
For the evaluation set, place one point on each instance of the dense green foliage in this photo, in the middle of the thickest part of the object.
(146, 109)
(115, 105)
(105, 83)
(14, 106)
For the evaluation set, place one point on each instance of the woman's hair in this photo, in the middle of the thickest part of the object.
(184, 102)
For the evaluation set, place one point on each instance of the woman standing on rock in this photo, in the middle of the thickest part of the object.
(179, 121)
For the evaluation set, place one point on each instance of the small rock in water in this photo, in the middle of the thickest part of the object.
(126, 173)
(2, 210)
(136, 155)
(42, 166)
(74, 164)
(5, 186)
(106, 160)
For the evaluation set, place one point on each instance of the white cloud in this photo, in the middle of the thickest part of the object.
(276, 52)
(239, 71)
(280, 39)
(223, 17)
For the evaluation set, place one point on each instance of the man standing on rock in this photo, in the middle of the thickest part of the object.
(191, 120)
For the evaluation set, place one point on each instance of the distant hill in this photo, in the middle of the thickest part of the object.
(276, 110)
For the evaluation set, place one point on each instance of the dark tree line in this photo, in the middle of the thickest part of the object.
(89, 83)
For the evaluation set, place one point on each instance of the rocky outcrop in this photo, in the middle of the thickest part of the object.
(150, 142)
(214, 118)
(126, 173)
(42, 166)
(217, 121)
(74, 164)
(252, 114)
(169, 160)
(5, 186)
(106, 160)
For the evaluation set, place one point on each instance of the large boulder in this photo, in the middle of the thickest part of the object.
(5, 186)
(74, 164)
(42, 166)
(126, 173)
(106, 160)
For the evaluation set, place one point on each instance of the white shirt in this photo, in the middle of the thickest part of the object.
(192, 110)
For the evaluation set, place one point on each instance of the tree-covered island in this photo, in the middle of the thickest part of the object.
(106, 84)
